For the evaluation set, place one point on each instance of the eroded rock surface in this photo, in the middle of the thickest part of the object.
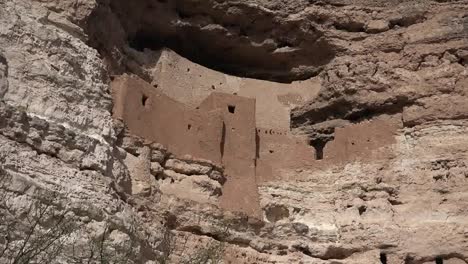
(386, 118)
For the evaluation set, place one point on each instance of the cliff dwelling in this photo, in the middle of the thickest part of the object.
(196, 111)
(234, 132)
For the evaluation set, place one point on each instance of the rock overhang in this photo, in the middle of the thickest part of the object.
(241, 39)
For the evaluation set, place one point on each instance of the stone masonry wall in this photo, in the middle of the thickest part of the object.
(222, 129)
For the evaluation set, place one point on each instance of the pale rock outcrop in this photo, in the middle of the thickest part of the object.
(405, 202)
(185, 168)
(46, 63)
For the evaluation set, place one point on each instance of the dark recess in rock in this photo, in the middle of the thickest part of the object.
(383, 258)
(257, 46)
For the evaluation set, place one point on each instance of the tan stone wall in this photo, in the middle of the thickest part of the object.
(362, 140)
(238, 156)
(283, 156)
(150, 114)
(279, 150)
(223, 128)
(275, 100)
(191, 83)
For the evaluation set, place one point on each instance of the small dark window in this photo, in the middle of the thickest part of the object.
(189, 126)
(439, 260)
(231, 109)
(144, 98)
(271, 151)
(383, 258)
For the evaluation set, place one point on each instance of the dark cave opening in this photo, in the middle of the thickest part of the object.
(204, 34)
(233, 57)
(383, 258)
(362, 209)
(141, 42)
(224, 59)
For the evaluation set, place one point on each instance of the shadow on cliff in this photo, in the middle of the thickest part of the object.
(233, 38)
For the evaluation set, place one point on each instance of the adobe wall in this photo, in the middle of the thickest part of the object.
(223, 128)
(240, 191)
(152, 115)
(239, 120)
(191, 83)
(279, 150)
(280, 154)
(362, 140)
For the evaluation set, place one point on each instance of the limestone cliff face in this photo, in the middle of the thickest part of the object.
(378, 96)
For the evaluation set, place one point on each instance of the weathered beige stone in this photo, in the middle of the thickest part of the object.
(377, 26)
(186, 168)
(156, 169)
(379, 87)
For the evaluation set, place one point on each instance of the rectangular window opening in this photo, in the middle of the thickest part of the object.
(232, 109)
